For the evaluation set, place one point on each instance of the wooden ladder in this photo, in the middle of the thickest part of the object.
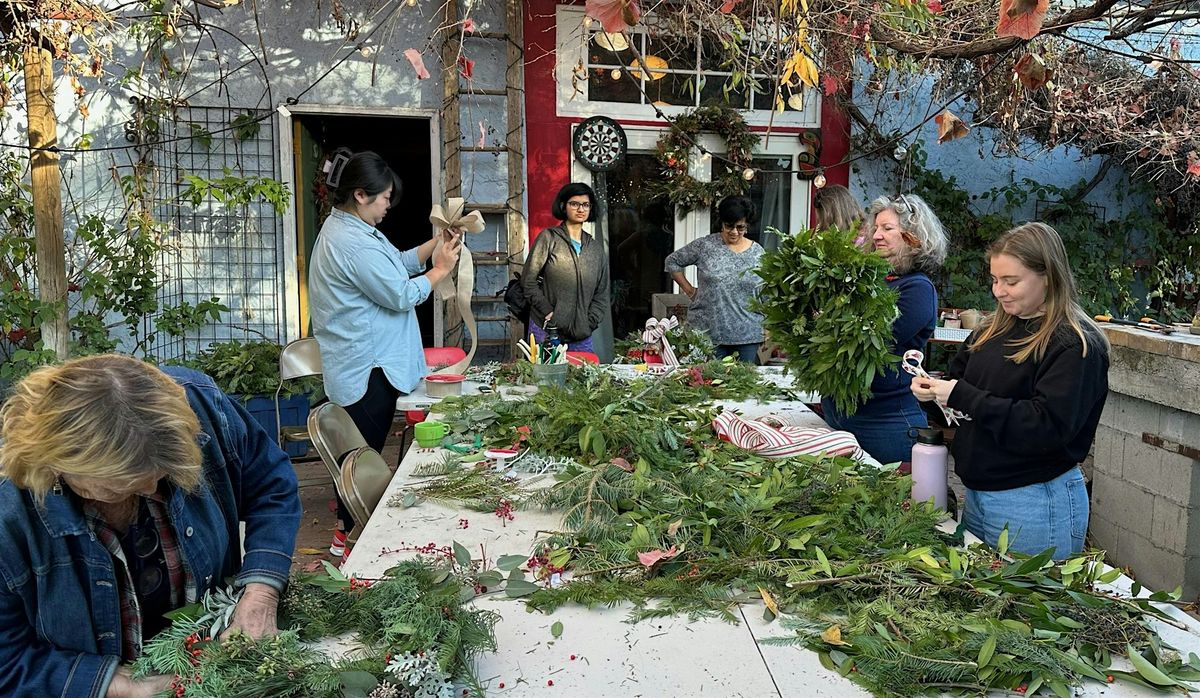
(508, 216)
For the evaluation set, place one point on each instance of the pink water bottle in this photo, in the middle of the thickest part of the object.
(929, 458)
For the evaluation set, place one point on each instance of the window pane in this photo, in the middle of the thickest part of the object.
(678, 52)
(713, 92)
(673, 88)
(641, 233)
(602, 87)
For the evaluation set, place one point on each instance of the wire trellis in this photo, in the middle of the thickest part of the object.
(234, 253)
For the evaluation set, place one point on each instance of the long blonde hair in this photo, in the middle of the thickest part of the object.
(1039, 248)
(107, 416)
(837, 208)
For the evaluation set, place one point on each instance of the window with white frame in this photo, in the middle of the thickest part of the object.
(598, 73)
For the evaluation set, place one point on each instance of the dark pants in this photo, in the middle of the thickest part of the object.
(747, 353)
(373, 415)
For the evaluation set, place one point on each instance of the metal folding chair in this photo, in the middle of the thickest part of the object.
(334, 435)
(364, 478)
(298, 359)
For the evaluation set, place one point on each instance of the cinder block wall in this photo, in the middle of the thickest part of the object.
(1145, 487)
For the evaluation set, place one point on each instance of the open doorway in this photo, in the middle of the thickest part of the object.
(404, 142)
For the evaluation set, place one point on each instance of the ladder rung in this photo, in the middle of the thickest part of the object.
(491, 318)
(494, 298)
(489, 262)
(486, 35)
(483, 92)
(486, 208)
(489, 342)
(484, 149)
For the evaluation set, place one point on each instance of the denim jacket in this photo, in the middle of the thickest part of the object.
(60, 626)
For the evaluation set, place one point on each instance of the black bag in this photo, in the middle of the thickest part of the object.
(514, 298)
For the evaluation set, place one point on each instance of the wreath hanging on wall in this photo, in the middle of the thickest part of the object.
(676, 145)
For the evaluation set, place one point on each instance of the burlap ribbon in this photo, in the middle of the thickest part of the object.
(461, 284)
(655, 334)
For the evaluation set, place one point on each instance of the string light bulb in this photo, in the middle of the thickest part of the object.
(900, 152)
(412, 3)
(616, 73)
(819, 181)
(748, 174)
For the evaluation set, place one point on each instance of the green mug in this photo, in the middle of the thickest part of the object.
(429, 433)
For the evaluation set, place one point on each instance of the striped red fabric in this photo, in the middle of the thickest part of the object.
(782, 441)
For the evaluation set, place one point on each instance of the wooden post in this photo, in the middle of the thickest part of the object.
(514, 81)
(46, 183)
(451, 147)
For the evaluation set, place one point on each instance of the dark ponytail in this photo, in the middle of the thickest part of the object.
(349, 171)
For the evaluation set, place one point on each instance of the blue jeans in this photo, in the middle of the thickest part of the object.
(744, 352)
(1050, 514)
(881, 430)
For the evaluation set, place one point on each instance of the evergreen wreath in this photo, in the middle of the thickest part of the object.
(826, 303)
(675, 147)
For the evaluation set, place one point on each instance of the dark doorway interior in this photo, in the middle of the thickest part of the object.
(404, 144)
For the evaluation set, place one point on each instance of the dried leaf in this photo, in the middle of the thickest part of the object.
(418, 64)
(614, 15)
(673, 527)
(648, 559)
(728, 6)
(830, 84)
(466, 67)
(622, 464)
(1032, 71)
(469, 25)
(832, 635)
(950, 127)
(770, 601)
(310, 551)
(1022, 18)
(1193, 164)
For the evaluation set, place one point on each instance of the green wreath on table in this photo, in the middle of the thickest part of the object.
(675, 146)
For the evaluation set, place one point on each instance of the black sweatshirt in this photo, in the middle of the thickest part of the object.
(1030, 422)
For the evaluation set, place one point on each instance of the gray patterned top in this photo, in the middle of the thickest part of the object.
(725, 284)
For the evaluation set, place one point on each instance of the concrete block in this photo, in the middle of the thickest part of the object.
(1153, 566)
(1103, 534)
(1142, 464)
(1106, 458)
(1177, 480)
(1139, 417)
(1180, 427)
(1111, 415)
(1170, 526)
(1130, 508)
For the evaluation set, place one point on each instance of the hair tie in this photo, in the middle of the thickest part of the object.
(333, 169)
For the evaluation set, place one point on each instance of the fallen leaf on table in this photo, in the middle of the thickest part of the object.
(648, 559)
(310, 551)
(833, 635)
(770, 602)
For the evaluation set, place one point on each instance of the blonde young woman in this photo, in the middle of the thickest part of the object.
(123, 490)
(836, 207)
(1033, 379)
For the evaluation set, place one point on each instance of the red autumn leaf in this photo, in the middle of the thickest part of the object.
(614, 15)
(469, 25)
(950, 127)
(934, 6)
(648, 559)
(1193, 164)
(466, 67)
(1022, 18)
(1032, 71)
(622, 464)
(830, 84)
(728, 6)
(418, 64)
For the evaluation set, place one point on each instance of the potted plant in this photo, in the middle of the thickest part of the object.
(249, 371)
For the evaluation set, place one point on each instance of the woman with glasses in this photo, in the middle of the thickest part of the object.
(906, 233)
(566, 273)
(364, 293)
(124, 488)
(1033, 380)
(725, 262)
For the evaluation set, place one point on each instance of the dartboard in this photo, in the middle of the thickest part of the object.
(599, 143)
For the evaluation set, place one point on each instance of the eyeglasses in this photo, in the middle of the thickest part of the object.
(741, 228)
(579, 205)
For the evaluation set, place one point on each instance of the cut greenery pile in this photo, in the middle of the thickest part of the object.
(661, 514)
(827, 305)
(417, 640)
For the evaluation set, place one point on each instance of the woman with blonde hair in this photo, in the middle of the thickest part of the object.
(836, 207)
(123, 490)
(1033, 380)
(906, 233)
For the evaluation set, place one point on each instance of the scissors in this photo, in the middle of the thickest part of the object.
(912, 364)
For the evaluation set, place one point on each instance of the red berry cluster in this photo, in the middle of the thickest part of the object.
(997, 564)
(693, 571)
(541, 567)
(360, 583)
(443, 551)
(696, 377)
(504, 510)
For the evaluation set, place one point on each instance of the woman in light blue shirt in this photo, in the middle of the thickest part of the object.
(363, 295)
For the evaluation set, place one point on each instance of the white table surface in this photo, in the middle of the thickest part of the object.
(665, 657)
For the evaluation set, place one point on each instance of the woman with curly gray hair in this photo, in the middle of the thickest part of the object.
(905, 232)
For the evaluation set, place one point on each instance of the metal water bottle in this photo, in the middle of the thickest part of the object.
(552, 338)
(929, 459)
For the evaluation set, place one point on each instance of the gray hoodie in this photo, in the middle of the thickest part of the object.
(572, 286)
